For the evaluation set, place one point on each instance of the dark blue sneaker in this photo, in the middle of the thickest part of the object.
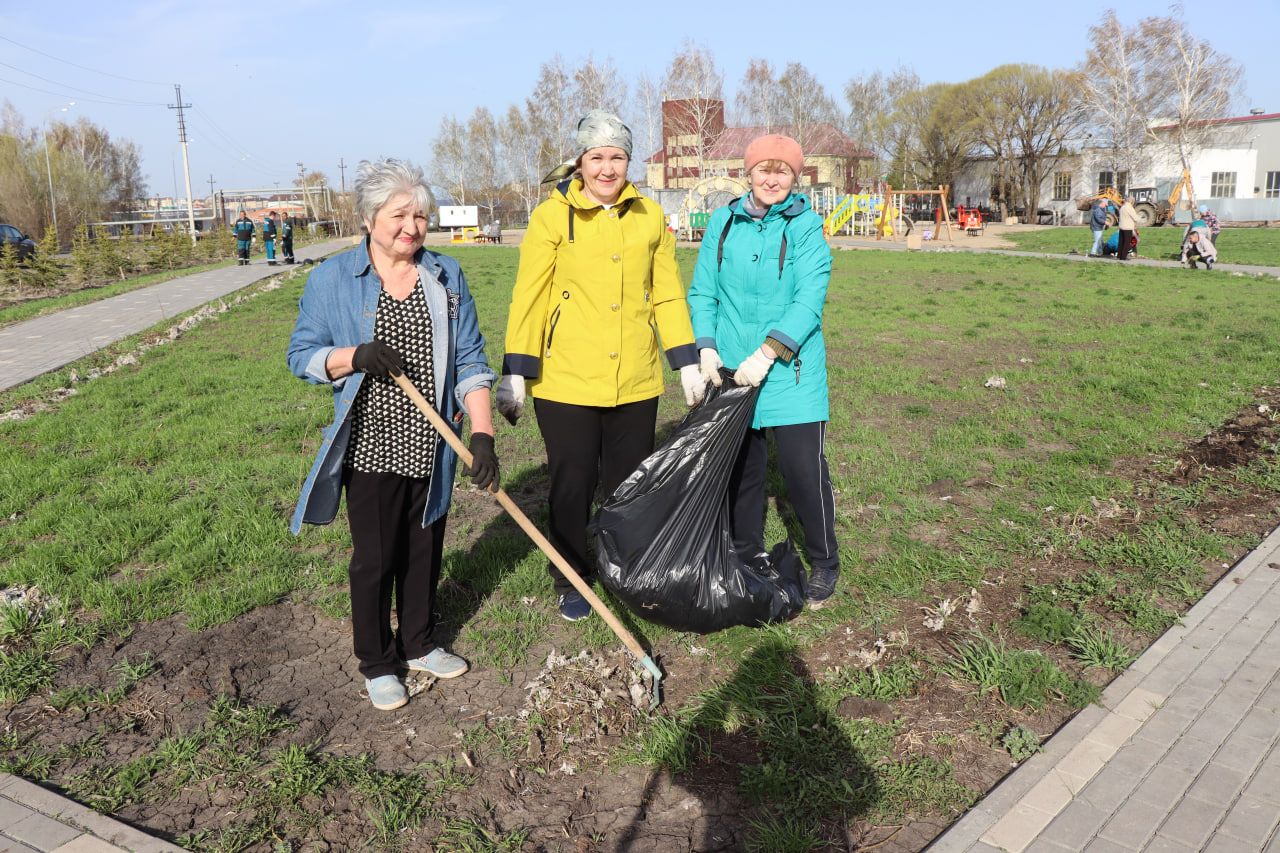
(822, 583)
(573, 606)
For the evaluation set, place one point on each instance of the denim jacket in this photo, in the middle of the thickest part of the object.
(338, 307)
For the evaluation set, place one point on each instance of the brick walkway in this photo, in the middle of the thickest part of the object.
(33, 818)
(33, 347)
(1181, 754)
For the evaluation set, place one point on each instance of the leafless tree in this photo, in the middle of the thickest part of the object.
(488, 172)
(646, 122)
(451, 163)
(550, 115)
(804, 103)
(598, 85)
(1192, 84)
(757, 102)
(874, 118)
(1115, 93)
(695, 81)
(521, 157)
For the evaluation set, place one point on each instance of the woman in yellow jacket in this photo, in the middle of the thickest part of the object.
(597, 285)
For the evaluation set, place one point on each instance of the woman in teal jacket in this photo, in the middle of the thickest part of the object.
(756, 301)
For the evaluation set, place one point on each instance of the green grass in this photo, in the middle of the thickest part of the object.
(1255, 246)
(166, 488)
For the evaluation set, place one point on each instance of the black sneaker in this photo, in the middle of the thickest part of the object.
(822, 583)
(573, 606)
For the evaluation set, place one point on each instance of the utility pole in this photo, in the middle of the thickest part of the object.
(302, 182)
(186, 165)
(342, 170)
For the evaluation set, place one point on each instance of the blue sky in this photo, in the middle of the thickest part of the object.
(314, 81)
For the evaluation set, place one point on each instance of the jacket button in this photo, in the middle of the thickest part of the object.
(613, 355)
(614, 306)
(617, 257)
(755, 257)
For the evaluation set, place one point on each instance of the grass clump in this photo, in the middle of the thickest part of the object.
(895, 681)
(1094, 646)
(1048, 623)
(1023, 678)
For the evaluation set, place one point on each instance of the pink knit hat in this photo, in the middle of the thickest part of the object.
(775, 146)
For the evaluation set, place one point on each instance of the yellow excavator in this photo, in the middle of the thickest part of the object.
(1151, 209)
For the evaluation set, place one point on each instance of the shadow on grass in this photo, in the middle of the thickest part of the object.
(773, 768)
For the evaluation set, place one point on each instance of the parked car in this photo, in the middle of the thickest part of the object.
(25, 245)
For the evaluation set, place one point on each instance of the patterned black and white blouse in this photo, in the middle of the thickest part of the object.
(388, 433)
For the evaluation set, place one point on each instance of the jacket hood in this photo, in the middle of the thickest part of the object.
(570, 193)
(792, 207)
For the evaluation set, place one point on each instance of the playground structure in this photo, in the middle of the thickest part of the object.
(704, 197)
(883, 214)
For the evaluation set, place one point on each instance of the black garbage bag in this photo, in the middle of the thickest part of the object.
(663, 540)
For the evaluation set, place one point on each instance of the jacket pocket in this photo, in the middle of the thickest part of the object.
(551, 333)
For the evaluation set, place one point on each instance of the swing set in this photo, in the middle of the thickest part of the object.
(891, 215)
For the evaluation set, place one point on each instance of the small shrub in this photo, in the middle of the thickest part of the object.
(1021, 743)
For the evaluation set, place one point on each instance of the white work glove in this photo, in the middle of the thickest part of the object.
(511, 397)
(755, 367)
(695, 387)
(710, 365)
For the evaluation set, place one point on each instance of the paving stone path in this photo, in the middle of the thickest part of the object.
(33, 818)
(33, 347)
(1180, 755)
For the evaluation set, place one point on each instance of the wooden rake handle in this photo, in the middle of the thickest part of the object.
(505, 501)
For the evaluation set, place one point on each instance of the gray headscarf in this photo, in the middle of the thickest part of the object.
(596, 129)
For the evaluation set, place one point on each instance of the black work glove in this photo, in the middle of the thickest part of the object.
(484, 461)
(377, 359)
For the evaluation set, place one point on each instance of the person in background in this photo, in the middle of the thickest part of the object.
(286, 238)
(757, 299)
(1211, 220)
(243, 231)
(1128, 225)
(385, 307)
(1112, 245)
(1198, 246)
(1098, 225)
(269, 237)
(597, 284)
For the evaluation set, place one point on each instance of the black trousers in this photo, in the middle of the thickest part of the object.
(1126, 240)
(587, 445)
(804, 470)
(286, 246)
(392, 553)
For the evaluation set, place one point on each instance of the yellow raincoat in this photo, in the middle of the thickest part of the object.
(594, 291)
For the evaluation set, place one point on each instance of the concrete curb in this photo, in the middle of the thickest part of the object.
(35, 818)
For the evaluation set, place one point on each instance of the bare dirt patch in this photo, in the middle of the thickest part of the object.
(534, 743)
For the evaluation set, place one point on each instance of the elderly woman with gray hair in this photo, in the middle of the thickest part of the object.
(385, 307)
(597, 284)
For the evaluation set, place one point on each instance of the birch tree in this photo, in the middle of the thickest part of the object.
(874, 119)
(757, 101)
(1117, 98)
(487, 168)
(521, 158)
(694, 79)
(1192, 83)
(804, 103)
(451, 164)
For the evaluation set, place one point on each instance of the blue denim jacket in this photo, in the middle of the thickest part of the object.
(338, 307)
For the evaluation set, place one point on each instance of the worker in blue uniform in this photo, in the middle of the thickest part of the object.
(244, 238)
(269, 238)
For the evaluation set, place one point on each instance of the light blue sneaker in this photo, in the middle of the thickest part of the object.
(439, 663)
(386, 692)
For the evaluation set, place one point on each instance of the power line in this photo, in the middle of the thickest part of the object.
(123, 101)
(83, 67)
(276, 167)
(70, 96)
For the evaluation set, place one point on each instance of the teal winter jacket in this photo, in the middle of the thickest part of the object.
(747, 287)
